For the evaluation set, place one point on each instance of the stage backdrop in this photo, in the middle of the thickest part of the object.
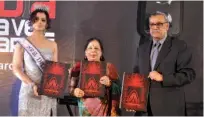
(73, 22)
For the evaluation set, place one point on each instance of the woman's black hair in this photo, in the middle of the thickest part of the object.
(33, 17)
(101, 46)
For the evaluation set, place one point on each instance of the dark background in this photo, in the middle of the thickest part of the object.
(116, 24)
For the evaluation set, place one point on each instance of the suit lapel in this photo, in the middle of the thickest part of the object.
(147, 56)
(163, 52)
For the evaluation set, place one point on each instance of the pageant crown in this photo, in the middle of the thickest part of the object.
(41, 7)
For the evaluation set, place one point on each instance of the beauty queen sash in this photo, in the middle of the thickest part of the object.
(54, 74)
(33, 52)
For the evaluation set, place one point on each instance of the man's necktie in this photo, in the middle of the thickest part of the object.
(154, 54)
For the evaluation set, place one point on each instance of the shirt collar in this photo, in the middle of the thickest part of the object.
(161, 41)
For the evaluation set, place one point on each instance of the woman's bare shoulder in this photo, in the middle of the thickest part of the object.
(51, 44)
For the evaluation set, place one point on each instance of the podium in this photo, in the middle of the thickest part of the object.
(68, 100)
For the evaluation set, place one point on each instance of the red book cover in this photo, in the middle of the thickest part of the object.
(134, 94)
(90, 75)
(54, 79)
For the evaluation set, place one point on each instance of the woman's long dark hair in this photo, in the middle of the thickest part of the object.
(33, 17)
(100, 43)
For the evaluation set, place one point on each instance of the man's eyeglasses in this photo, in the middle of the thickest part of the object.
(156, 24)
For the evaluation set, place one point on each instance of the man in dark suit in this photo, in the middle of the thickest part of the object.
(166, 63)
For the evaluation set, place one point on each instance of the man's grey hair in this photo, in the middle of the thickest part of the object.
(167, 16)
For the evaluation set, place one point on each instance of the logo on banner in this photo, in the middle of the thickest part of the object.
(14, 27)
